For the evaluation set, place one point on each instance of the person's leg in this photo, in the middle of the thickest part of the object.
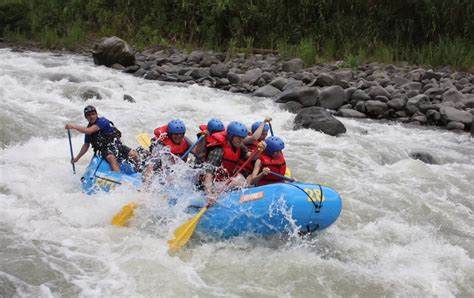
(113, 162)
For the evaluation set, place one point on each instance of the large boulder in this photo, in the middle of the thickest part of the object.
(332, 97)
(251, 76)
(307, 96)
(294, 65)
(319, 119)
(266, 91)
(113, 50)
(452, 114)
(219, 70)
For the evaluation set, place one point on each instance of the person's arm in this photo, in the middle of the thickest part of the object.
(87, 130)
(256, 176)
(246, 152)
(258, 133)
(200, 150)
(83, 151)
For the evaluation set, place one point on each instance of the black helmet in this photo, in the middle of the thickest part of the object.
(89, 109)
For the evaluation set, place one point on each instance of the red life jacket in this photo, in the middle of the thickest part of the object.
(176, 149)
(252, 146)
(230, 160)
(277, 165)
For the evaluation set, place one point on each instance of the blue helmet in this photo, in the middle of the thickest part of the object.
(215, 125)
(257, 124)
(236, 129)
(176, 126)
(274, 144)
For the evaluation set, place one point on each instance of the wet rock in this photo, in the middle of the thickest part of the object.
(307, 96)
(292, 106)
(375, 107)
(128, 98)
(360, 106)
(131, 69)
(208, 61)
(113, 50)
(195, 57)
(397, 103)
(219, 70)
(89, 94)
(293, 65)
(378, 90)
(453, 125)
(360, 95)
(453, 95)
(424, 157)
(350, 113)
(267, 91)
(251, 76)
(449, 114)
(324, 80)
(233, 78)
(318, 119)
(332, 97)
(279, 82)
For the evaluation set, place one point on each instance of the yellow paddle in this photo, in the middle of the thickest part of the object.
(144, 140)
(184, 232)
(121, 219)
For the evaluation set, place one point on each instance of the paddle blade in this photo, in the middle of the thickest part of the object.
(184, 232)
(144, 140)
(122, 218)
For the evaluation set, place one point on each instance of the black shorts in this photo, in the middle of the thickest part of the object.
(119, 150)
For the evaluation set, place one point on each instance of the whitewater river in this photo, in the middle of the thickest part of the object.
(406, 228)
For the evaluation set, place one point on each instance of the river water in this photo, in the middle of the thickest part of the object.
(406, 228)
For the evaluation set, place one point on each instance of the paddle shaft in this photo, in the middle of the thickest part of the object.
(283, 177)
(192, 147)
(70, 149)
(246, 162)
(271, 128)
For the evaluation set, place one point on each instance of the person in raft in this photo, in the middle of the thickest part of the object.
(104, 138)
(222, 160)
(259, 133)
(172, 137)
(271, 159)
(213, 126)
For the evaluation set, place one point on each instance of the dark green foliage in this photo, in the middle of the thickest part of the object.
(420, 31)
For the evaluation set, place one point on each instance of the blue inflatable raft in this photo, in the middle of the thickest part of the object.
(100, 177)
(264, 210)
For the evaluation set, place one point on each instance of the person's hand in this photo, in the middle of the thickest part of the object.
(266, 171)
(261, 145)
(70, 126)
(162, 137)
(267, 119)
(212, 199)
(74, 160)
(204, 133)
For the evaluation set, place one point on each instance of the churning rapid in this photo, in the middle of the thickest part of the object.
(406, 227)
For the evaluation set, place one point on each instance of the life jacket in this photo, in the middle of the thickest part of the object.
(99, 140)
(248, 169)
(176, 149)
(277, 165)
(230, 159)
(252, 146)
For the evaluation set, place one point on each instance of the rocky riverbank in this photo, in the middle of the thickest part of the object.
(404, 93)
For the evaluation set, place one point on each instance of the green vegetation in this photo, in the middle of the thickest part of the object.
(428, 32)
